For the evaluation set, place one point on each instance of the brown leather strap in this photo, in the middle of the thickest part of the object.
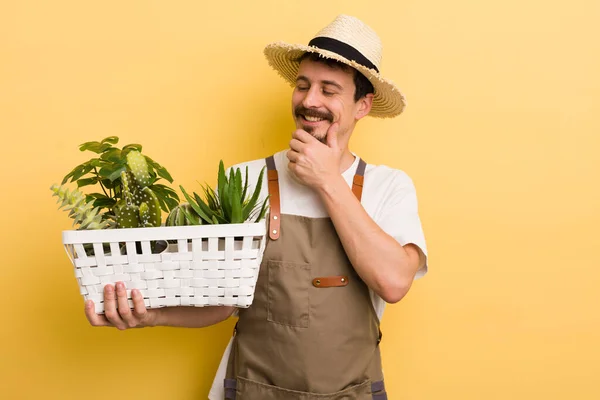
(330, 281)
(274, 200)
(359, 179)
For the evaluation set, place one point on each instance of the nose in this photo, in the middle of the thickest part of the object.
(312, 99)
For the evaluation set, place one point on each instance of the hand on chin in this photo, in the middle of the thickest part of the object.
(319, 133)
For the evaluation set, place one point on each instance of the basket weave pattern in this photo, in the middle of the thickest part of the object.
(203, 266)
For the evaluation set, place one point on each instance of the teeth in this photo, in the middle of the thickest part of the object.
(313, 119)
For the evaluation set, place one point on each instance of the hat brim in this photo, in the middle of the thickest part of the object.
(388, 101)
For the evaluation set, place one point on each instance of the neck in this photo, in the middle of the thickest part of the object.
(347, 160)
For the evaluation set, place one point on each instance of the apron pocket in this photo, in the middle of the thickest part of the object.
(251, 390)
(288, 287)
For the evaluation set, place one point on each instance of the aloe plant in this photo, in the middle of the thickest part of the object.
(230, 204)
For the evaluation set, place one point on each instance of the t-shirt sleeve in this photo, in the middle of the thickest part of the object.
(399, 217)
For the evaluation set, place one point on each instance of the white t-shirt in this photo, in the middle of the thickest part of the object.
(388, 196)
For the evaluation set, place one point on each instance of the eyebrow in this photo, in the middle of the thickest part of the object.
(326, 82)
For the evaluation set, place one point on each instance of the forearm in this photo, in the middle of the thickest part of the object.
(192, 317)
(381, 262)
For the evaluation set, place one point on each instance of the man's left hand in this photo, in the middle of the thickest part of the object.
(315, 164)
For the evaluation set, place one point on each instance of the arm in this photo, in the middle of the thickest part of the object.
(118, 314)
(383, 264)
(386, 266)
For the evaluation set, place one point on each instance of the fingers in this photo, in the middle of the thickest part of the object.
(293, 156)
(303, 136)
(93, 318)
(123, 306)
(117, 312)
(297, 145)
(139, 308)
(110, 307)
(332, 133)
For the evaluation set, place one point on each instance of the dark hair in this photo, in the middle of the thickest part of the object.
(362, 84)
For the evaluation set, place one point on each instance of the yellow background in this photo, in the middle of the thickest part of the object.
(501, 137)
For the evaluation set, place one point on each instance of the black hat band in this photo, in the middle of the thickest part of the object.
(343, 49)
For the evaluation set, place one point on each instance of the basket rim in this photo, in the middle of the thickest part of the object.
(164, 233)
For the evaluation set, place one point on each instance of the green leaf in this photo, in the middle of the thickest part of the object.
(93, 196)
(222, 181)
(116, 174)
(238, 183)
(111, 140)
(161, 202)
(211, 198)
(191, 217)
(157, 187)
(109, 170)
(160, 170)
(245, 185)
(108, 184)
(225, 203)
(112, 155)
(253, 200)
(166, 203)
(95, 147)
(236, 207)
(196, 207)
(166, 195)
(171, 203)
(85, 146)
(87, 182)
(104, 203)
(205, 208)
(132, 146)
(78, 172)
(263, 210)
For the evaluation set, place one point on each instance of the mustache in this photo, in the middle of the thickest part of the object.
(301, 110)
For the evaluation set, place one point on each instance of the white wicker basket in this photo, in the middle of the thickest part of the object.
(208, 265)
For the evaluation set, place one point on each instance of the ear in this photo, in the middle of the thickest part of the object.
(364, 106)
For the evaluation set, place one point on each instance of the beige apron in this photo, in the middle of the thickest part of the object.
(311, 331)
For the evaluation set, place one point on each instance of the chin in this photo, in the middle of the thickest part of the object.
(320, 136)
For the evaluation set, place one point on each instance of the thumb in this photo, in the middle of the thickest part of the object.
(332, 134)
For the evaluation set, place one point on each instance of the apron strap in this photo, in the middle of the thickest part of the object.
(275, 201)
(230, 389)
(359, 179)
(378, 391)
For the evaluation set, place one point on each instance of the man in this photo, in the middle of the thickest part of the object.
(344, 239)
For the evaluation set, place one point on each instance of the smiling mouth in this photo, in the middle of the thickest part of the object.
(313, 116)
(312, 119)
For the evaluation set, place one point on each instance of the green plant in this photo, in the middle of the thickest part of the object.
(231, 204)
(177, 216)
(83, 213)
(106, 171)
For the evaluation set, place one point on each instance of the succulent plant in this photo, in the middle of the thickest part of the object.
(231, 204)
(139, 206)
(103, 173)
(83, 213)
(182, 215)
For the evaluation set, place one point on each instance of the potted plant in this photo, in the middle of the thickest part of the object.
(215, 244)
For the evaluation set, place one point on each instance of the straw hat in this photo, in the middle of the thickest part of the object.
(350, 41)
